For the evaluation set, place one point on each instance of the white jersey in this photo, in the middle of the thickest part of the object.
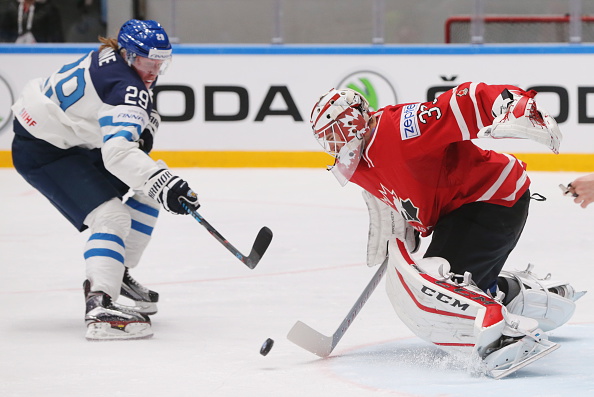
(95, 102)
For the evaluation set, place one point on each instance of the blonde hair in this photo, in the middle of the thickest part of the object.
(109, 42)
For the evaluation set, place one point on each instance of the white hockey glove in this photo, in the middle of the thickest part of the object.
(170, 191)
(524, 119)
(386, 224)
(147, 138)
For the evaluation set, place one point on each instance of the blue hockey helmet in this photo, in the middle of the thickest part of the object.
(147, 39)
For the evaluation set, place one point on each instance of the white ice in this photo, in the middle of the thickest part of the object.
(215, 313)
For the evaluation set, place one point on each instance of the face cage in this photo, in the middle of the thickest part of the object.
(331, 139)
(131, 59)
(347, 161)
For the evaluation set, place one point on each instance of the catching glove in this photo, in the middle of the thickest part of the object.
(170, 191)
(525, 119)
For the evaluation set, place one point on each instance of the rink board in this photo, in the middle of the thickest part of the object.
(249, 106)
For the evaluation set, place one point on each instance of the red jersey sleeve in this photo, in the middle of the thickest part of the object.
(456, 115)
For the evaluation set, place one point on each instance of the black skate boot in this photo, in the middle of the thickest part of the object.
(107, 322)
(145, 300)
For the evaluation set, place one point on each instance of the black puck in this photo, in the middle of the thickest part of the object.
(266, 346)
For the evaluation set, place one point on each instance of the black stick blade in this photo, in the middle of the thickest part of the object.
(261, 244)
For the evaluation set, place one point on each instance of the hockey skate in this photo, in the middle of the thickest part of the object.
(145, 300)
(107, 322)
(521, 343)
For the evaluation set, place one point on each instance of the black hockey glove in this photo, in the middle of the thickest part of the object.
(145, 143)
(170, 191)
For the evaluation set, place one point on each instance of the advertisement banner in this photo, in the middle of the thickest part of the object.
(259, 99)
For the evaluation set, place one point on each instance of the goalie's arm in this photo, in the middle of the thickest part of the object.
(471, 110)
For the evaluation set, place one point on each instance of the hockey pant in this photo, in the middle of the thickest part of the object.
(119, 234)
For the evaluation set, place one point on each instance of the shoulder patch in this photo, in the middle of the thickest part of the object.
(409, 124)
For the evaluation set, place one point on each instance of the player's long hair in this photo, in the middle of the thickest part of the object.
(108, 42)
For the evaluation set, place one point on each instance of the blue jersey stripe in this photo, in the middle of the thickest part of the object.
(107, 121)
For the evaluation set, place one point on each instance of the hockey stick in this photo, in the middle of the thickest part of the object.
(308, 338)
(259, 247)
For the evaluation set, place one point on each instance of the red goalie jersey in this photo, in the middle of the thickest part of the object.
(421, 161)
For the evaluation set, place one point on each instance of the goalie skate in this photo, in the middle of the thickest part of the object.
(516, 354)
(144, 300)
(106, 322)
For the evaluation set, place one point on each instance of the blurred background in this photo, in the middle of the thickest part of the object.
(314, 21)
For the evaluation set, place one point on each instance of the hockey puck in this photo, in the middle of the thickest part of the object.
(266, 346)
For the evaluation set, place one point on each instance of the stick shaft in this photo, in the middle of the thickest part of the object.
(321, 345)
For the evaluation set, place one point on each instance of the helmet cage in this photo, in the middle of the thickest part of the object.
(338, 117)
(340, 121)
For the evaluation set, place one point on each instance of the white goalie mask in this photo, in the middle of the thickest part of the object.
(339, 121)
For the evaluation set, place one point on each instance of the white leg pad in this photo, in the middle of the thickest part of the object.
(550, 302)
(459, 317)
(454, 317)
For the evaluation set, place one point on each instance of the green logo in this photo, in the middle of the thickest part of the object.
(376, 88)
(367, 91)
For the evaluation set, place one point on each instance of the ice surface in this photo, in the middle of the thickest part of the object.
(215, 313)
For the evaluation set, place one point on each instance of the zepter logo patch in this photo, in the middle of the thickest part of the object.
(6, 100)
(376, 88)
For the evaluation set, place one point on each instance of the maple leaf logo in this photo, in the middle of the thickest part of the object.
(405, 207)
(353, 121)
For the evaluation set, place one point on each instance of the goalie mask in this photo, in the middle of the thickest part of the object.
(339, 121)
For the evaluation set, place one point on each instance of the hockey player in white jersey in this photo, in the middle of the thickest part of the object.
(82, 138)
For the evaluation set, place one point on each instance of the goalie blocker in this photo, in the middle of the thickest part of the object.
(458, 317)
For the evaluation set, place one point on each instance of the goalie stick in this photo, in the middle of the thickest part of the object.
(259, 247)
(321, 345)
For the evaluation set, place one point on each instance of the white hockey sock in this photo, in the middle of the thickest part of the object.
(105, 251)
(104, 256)
(144, 213)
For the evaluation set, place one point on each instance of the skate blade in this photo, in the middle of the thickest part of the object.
(548, 347)
(148, 308)
(104, 332)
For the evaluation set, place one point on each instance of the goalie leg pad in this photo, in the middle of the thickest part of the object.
(550, 302)
(459, 317)
(456, 317)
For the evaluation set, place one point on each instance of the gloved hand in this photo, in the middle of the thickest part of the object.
(145, 143)
(170, 191)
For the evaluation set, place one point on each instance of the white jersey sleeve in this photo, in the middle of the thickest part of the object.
(96, 102)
